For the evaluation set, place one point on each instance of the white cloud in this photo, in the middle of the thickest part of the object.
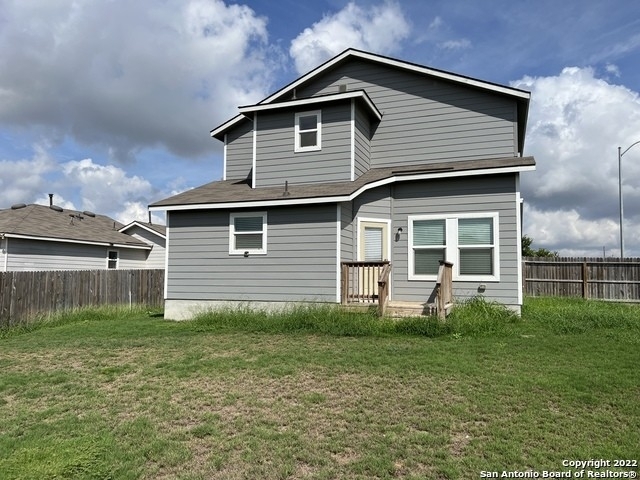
(129, 75)
(576, 122)
(461, 44)
(380, 29)
(23, 180)
(108, 189)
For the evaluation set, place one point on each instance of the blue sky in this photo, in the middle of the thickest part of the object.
(108, 104)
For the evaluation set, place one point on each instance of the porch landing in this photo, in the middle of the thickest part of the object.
(410, 309)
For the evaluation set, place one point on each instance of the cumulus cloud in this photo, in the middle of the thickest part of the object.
(129, 75)
(380, 29)
(108, 189)
(23, 180)
(576, 123)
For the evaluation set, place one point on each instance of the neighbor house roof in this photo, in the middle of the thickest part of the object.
(160, 230)
(521, 97)
(39, 222)
(238, 193)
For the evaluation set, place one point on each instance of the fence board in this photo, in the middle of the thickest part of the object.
(24, 295)
(598, 278)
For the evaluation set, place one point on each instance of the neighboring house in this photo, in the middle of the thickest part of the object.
(37, 237)
(364, 158)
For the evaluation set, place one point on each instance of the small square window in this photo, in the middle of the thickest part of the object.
(248, 233)
(308, 128)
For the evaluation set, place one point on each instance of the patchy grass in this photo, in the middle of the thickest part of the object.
(320, 394)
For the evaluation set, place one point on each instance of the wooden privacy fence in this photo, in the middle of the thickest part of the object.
(598, 278)
(24, 295)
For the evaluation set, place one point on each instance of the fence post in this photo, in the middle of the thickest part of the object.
(585, 280)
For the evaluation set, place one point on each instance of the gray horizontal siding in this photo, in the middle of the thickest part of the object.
(37, 255)
(480, 194)
(156, 257)
(374, 203)
(347, 233)
(240, 151)
(276, 161)
(426, 120)
(300, 263)
(362, 146)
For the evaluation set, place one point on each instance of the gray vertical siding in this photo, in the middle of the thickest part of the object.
(276, 160)
(476, 194)
(240, 151)
(425, 120)
(300, 264)
(362, 148)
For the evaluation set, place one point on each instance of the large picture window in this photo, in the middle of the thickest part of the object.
(248, 233)
(308, 131)
(469, 241)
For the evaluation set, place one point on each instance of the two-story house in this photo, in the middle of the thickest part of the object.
(366, 158)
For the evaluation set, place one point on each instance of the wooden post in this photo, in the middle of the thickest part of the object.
(585, 280)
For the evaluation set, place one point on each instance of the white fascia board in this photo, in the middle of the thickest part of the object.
(68, 240)
(343, 198)
(403, 65)
(513, 92)
(313, 101)
(144, 227)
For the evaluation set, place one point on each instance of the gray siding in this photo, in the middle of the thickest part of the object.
(347, 233)
(426, 120)
(156, 257)
(130, 258)
(34, 255)
(276, 160)
(362, 147)
(476, 194)
(240, 151)
(374, 203)
(300, 263)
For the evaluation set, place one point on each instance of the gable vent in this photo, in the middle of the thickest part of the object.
(342, 88)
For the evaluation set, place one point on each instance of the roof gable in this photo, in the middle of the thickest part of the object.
(521, 97)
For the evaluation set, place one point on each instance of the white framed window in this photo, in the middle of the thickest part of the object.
(469, 241)
(308, 131)
(112, 259)
(248, 233)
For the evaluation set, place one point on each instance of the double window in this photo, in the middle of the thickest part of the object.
(308, 131)
(469, 241)
(248, 233)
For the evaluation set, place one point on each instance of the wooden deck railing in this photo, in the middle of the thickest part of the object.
(444, 289)
(365, 282)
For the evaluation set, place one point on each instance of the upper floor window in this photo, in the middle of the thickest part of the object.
(308, 131)
(248, 233)
(469, 241)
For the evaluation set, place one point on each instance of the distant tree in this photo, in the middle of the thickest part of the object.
(528, 251)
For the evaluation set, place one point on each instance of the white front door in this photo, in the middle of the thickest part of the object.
(373, 246)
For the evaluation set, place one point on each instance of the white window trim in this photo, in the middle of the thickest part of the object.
(117, 259)
(232, 234)
(452, 248)
(318, 145)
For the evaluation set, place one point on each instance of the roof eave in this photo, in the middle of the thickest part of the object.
(398, 177)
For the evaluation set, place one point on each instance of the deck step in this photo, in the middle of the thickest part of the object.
(409, 309)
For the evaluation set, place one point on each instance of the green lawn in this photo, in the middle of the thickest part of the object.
(319, 394)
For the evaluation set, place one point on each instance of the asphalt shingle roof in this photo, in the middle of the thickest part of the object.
(57, 223)
(234, 191)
